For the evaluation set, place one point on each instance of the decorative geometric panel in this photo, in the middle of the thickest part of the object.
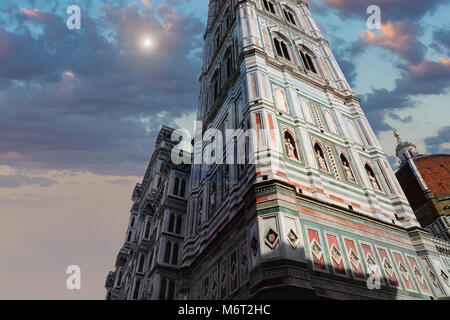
(336, 254)
(388, 268)
(405, 277)
(244, 262)
(233, 272)
(355, 260)
(316, 249)
(293, 238)
(223, 279)
(271, 238)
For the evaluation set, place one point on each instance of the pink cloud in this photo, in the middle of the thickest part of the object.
(394, 36)
(9, 157)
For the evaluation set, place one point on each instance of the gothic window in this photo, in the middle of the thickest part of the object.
(200, 209)
(129, 236)
(119, 279)
(215, 87)
(218, 38)
(171, 222)
(281, 48)
(307, 59)
(269, 6)
(372, 178)
(347, 169)
(183, 188)
(147, 229)
(320, 157)
(162, 289)
(176, 248)
(228, 63)
(133, 220)
(150, 261)
(212, 197)
(137, 286)
(141, 263)
(176, 186)
(289, 15)
(289, 143)
(178, 225)
(167, 252)
(171, 290)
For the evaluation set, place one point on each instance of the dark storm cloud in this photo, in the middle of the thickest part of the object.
(436, 143)
(74, 99)
(441, 40)
(426, 78)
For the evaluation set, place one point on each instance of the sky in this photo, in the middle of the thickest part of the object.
(80, 110)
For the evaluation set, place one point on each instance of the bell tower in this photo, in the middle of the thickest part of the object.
(300, 198)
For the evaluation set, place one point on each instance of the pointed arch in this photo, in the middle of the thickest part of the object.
(171, 222)
(290, 145)
(347, 168)
(372, 177)
(282, 46)
(167, 251)
(176, 248)
(307, 110)
(330, 121)
(320, 156)
(280, 99)
(308, 59)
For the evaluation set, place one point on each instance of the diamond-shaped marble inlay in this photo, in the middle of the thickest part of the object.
(271, 238)
(354, 260)
(388, 268)
(316, 249)
(418, 274)
(336, 254)
(403, 271)
(433, 278)
(370, 261)
(293, 238)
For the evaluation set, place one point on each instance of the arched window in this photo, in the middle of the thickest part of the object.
(281, 48)
(372, 177)
(307, 59)
(228, 64)
(141, 262)
(291, 148)
(289, 15)
(215, 86)
(269, 6)
(147, 229)
(178, 227)
(129, 236)
(176, 186)
(183, 188)
(320, 157)
(171, 222)
(167, 252)
(347, 168)
(176, 248)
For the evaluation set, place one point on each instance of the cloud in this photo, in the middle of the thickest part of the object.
(390, 9)
(441, 40)
(75, 99)
(426, 78)
(400, 38)
(439, 143)
(16, 181)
